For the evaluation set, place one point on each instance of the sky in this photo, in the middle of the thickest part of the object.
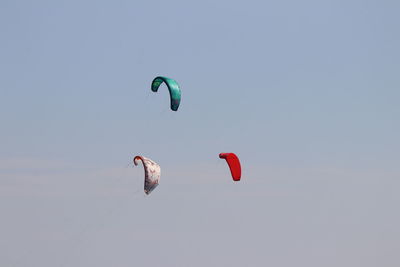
(306, 93)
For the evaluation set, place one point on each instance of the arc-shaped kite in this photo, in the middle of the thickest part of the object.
(173, 87)
(234, 165)
(152, 173)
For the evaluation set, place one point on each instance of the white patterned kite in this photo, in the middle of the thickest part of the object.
(152, 173)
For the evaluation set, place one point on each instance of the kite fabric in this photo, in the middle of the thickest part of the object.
(152, 173)
(173, 88)
(234, 165)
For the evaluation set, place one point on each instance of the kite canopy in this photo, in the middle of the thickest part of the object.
(234, 165)
(173, 87)
(152, 173)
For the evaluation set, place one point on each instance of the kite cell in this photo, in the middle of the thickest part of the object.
(234, 165)
(152, 173)
(173, 87)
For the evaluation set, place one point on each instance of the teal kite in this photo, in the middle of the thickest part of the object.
(173, 87)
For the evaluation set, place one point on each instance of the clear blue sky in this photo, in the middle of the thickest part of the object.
(305, 92)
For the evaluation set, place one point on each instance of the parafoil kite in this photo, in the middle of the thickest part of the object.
(234, 165)
(173, 87)
(152, 173)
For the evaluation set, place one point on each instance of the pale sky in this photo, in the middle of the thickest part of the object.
(306, 93)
